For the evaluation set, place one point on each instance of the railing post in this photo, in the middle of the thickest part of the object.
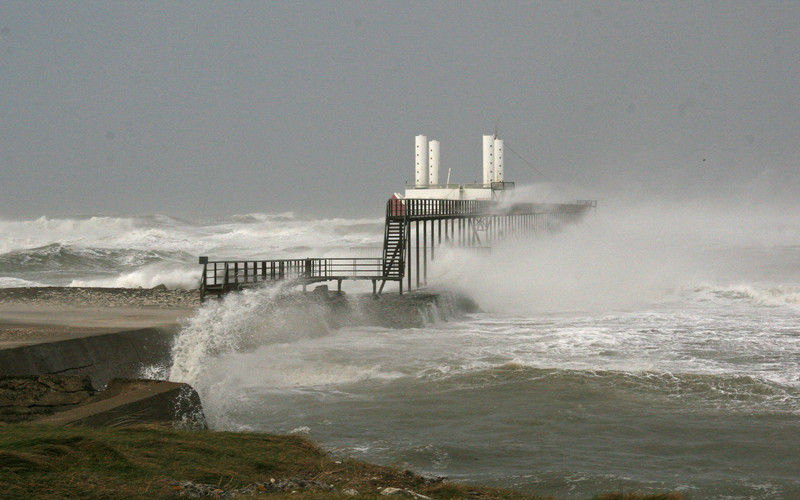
(205, 278)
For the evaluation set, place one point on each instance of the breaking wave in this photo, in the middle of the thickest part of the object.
(172, 275)
(242, 322)
(137, 251)
(60, 256)
(769, 296)
(6, 282)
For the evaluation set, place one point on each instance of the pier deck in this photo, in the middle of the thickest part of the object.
(220, 277)
(413, 231)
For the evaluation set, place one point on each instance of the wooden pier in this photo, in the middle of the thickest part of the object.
(414, 230)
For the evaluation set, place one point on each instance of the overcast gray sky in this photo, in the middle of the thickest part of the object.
(212, 108)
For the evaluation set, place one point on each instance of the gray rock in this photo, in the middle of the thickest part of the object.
(402, 492)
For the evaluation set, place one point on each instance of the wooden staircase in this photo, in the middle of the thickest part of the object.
(394, 250)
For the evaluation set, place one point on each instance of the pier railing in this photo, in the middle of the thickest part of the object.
(418, 208)
(220, 277)
(435, 208)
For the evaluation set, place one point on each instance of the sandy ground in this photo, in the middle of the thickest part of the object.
(49, 314)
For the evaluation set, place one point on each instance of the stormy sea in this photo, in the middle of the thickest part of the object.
(648, 348)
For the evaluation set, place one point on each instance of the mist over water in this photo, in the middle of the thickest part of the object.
(627, 256)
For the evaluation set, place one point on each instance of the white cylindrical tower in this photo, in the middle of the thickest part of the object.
(421, 161)
(498, 160)
(488, 159)
(433, 161)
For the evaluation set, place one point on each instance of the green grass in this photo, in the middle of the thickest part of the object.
(150, 461)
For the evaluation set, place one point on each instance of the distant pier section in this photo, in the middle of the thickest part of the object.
(419, 224)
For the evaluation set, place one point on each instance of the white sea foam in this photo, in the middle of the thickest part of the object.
(766, 295)
(235, 234)
(171, 274)
(6, 282)
(46, 230)
(240, 322)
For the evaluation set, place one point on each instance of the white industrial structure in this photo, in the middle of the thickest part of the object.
(421, 159)
(426, 173)
(433, 162)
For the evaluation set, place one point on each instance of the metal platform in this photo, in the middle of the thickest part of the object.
(221, 277)
(413, 231)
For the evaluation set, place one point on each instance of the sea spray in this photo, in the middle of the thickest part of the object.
(625, 257)
(234, 349)
(261, 316)
(240, 322)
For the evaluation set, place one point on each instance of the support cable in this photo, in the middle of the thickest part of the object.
(527, 162)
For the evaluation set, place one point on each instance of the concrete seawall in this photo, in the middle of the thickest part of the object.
(100, 357)
(136, 401)
(412, 310)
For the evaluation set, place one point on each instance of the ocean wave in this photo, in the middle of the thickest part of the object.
(7, 282)
(24, 234)
(173, 275)
(705, 391)
(114, 251)
(60, 256)
(768, 296)
(286, 373)
(242, 322)
(259, 217)
(166, 233)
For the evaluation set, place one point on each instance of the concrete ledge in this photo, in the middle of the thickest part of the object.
(100, 357)
(134, 402)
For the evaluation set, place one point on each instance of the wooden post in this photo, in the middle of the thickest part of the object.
(425, 252)
(433, 239)
(416, 241)
(408, 252)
